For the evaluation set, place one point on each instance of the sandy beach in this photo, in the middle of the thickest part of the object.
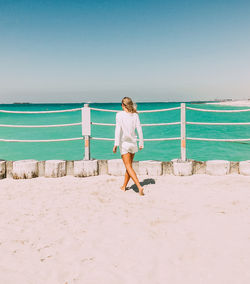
(193, 229)
(240, 103)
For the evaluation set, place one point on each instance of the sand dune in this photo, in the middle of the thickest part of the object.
(192, 229)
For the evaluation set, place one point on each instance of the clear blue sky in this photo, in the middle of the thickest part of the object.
(151, 50)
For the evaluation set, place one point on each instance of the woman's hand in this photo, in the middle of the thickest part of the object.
(140, 148)
(114, 149)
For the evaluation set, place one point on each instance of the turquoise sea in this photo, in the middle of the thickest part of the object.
(157, 150)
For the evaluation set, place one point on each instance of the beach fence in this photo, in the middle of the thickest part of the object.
(86, 128)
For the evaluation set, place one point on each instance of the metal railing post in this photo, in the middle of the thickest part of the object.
(183, 131)
(86, 130)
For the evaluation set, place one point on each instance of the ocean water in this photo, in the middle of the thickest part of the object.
(155, 150)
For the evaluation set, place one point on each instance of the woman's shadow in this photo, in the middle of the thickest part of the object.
(144, 182)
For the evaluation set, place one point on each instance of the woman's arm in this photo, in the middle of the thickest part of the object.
(139, 131)
(117, 132)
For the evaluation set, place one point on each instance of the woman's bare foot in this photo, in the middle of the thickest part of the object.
(123, 188)
(141, 191)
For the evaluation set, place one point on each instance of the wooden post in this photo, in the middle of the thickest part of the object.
(86, 130)
(183, 132)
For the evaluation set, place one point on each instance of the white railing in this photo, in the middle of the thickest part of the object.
(86, 126)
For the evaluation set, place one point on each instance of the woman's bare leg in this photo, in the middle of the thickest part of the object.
(126, 160)
(127, 176)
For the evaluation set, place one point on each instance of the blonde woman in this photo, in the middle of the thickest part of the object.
(126, 123)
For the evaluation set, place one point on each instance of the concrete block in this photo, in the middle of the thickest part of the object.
(69, 168)
(2, 169)
(167, 168)
(41, 168)
(116, 167)
(217, 167)
(135, 166)
(85, 168)
(9, 167)
(55, 168)
(234, 167)
(182, 168)
(199, 167)
(25, 169)
(102, 167)
(244, 168)
(151, 168)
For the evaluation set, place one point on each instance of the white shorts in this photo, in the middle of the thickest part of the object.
(128, 147)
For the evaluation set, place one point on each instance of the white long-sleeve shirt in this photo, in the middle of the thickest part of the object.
(126, 123)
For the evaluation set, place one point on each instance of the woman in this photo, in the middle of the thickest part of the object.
(126, 123)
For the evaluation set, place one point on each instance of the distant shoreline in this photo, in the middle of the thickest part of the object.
(226, 102)
(240, 103)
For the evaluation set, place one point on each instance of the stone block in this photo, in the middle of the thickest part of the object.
(102, 167)
(151, 168)
(244, 168)
(199, 167)
(41, 168)
(25, 169)
(234, 167)
(135, 166)
(85, 168)
(182, 168)
(55, 168)
(116, 167)
(2, 169)
(217, 167)
(69, 168)
(167, 168)
(9, 167)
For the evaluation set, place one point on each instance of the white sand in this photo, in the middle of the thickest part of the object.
(240, 103)
(193, 229)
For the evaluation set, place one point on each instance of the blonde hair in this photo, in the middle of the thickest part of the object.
(130, 106)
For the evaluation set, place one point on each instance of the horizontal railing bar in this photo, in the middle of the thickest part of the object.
(213, 139)
(213, 110)
(146, 124)
(38, 126)
(50, 140)
(38, 112)
(219, 123)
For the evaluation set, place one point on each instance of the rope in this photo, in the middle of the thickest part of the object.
(100, 109)
(160, 124)
(158, 110)
(37, 112)
(147, 124)
(38, 126)
(162, 139)
(220, 123)
(212, 139)
(106, 139)
(77, 109)
(50, 140)
(142, 111)
(153, 139)
(106, 124)
(213, 110)
(111, 139)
